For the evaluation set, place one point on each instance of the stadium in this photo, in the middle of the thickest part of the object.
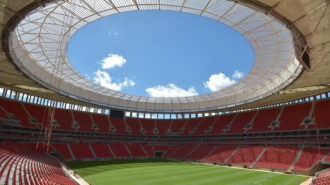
(272, 126)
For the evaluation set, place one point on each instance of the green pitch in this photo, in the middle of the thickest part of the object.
(160, 172)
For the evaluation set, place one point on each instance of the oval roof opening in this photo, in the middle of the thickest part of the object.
(160, 53)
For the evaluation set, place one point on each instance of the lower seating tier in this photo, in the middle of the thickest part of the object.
(15, 157)
(20, 165)
(280, 157)
(322, 178)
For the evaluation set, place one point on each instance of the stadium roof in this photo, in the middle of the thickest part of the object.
(36, 39)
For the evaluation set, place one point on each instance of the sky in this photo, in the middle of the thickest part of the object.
(160, 53)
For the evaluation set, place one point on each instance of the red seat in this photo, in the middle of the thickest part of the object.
(200, 152)
(221, 123)
(321, 114)
(102, 121)
(327, 159)
(16, 109)
(322, 178)
(161, 148)
(136, 150)
(246, 154)
(221, 153)
(241, 121)
(119, 125)
(183, 151)
(64, 119)
(25, 165)
(101, 150)
(163, 126)
(191, 124)
(40, 113)
(120, 150)
(81, 151)
(177, 125)
(134, 125)
(62, 148)
(84, 120)
(149, 150)
(170, 150)
(2, 112)
(148, 125)
(293, 115)
(278, 157)
(201, 129)
(310, 157)
(263, 119)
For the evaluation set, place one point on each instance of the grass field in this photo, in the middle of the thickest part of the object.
(160, 172)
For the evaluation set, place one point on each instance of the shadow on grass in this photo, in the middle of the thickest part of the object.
(85, 168)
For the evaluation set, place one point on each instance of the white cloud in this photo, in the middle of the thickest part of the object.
(218, 81)
(171, 90)
(112, 61)
(103, 78)
(237, 74)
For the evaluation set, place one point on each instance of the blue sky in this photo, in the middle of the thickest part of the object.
(160, 53)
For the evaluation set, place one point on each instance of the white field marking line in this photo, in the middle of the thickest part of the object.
(251, 169)
(263, 180)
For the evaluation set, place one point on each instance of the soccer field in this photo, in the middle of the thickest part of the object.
(160, 172)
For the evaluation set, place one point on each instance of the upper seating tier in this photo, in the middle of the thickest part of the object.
(221, 123)
(102, 121)
(149, 126)
(263, 119)
(242, 119)
(17, 110)
(321, 114)
(291, 118)
(293, 115)
(84, 121)
(163, 126)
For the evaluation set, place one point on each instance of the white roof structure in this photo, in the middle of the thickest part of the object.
(38, 46)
